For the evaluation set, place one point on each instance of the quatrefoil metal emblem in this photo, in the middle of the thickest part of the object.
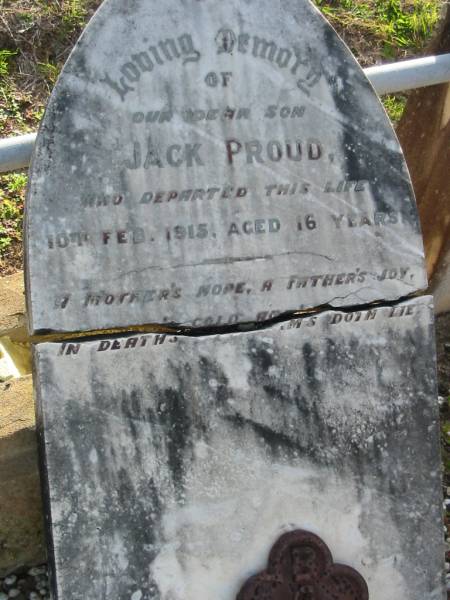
(301, 567)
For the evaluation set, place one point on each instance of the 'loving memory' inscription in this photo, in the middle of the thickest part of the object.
(306, 60)
(201, 163)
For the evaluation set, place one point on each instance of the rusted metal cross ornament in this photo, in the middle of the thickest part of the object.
(301, 567)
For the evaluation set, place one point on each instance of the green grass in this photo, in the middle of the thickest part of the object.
(49, 71)
(408, 26)
(10, 111)
(395, 105)
(398, 25)
(12, 187)
(5, 57)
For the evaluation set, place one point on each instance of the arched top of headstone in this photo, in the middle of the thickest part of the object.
(205, 163)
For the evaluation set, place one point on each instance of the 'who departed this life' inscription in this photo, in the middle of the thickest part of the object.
(243, 170)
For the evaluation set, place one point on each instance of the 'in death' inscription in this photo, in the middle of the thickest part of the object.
(214, 170)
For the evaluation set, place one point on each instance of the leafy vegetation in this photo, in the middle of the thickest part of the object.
(5, 55)
(391, 28)
(395, 105)
(37, 35)
(11, 210)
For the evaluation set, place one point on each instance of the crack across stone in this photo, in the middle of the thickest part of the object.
(189, 331)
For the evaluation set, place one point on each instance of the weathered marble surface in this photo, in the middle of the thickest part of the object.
(215, 98)
(173, 465)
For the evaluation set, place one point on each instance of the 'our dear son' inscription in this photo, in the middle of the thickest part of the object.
(198, 168)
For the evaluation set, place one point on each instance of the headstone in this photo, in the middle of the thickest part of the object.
(214, 174)
(206, 164)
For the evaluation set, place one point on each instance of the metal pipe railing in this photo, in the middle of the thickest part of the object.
(410, 74)
(15, 153)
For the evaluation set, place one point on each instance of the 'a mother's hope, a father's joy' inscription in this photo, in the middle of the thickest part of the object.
(207, 172)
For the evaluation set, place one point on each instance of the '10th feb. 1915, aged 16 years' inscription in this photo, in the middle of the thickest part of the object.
(230, 170)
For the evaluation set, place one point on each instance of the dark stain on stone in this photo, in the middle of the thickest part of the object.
(277, 444)
(134, 511)
(176, 421)
(310, 366)
(211, 370)
(263, 359)
(366, 158)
